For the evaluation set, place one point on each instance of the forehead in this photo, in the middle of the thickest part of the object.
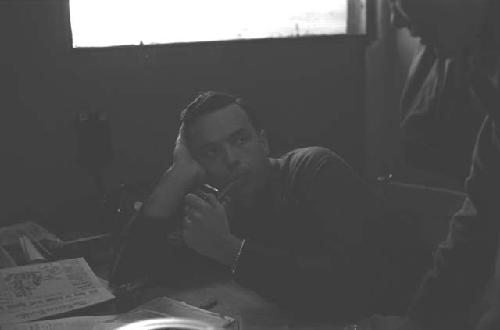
(217, 125)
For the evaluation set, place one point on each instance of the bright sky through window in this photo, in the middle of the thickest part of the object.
(101, 23)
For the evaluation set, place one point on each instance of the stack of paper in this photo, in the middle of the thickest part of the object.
(167, 307)
(157, 309)
(40, 290)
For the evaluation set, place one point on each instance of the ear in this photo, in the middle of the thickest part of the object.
(264, 142)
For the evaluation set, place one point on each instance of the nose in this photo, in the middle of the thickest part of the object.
(231, 158)
(398, 20)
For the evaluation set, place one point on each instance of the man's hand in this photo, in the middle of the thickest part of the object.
(184, 175)
(183, 159)
(206, 229)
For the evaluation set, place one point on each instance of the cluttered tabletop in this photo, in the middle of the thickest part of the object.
(51, 283)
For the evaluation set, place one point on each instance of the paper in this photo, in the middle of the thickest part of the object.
(159, 308)
(69, 323)
(173, 308)
(10, 234)
(35, 291)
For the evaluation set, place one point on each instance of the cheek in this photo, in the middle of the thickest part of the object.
(215, 174)
(256, 157)
(212, 169)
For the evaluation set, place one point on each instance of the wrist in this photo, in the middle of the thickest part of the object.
(232, 250)
(236, 258)
(170, 190)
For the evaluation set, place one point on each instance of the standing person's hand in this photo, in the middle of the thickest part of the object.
(206, 228)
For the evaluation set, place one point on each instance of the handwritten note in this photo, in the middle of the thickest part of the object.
(35, 291)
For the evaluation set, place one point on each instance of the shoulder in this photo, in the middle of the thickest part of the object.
(305, 165)
(310, 157)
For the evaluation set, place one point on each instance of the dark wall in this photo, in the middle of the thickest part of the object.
(307, 91)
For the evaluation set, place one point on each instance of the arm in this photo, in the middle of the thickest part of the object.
(324, 278)
(184, 174)
(146, 233)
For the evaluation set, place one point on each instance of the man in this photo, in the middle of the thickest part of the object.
(439, 107)
(465, 260)
(290, 228)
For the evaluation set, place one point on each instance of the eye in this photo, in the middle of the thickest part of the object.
(242, 139)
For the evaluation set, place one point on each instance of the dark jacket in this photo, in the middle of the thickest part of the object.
(305, 241)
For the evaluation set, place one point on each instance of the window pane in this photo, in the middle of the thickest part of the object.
(98, 23)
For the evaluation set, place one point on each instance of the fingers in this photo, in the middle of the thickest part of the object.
(202, 208)
(225, 200)
(187, 230)
(194, 201)
(211, 199)
(200, 200)
(192, 215)
(194, 208)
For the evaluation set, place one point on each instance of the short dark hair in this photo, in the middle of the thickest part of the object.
(210, 101)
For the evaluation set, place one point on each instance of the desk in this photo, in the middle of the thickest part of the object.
(251, 310)
(206, 283)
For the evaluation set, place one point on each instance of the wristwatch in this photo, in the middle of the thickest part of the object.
(237, 257)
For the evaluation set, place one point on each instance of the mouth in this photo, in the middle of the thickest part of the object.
(233, 185)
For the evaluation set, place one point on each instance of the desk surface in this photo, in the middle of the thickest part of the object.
(251, 310)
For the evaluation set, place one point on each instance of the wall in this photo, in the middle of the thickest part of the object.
(309, 91)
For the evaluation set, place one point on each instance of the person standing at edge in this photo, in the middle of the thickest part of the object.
(468, 29)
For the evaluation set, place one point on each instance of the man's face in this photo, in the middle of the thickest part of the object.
(230, 150)
(447, 25)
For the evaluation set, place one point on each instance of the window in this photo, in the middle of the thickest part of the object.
(103, 23)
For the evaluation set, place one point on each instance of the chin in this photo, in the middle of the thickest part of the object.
(246, 195)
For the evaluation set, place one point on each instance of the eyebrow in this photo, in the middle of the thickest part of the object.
(238, 132)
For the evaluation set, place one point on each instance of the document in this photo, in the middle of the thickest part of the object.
(169, 307)
(159, 308)
(39, 290)
(106, 322)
